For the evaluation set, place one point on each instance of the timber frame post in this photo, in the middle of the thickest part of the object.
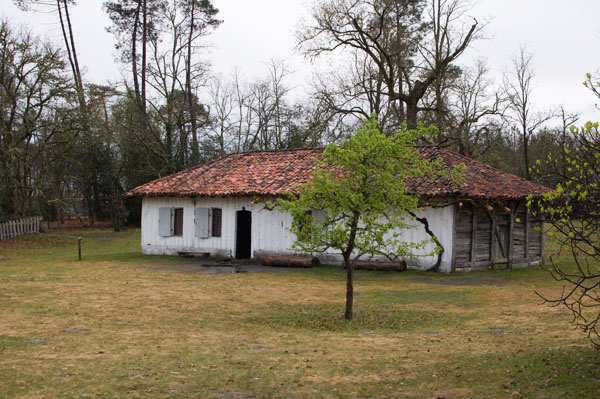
(511, 234)
(492, 216)
(454, 227)
(473, 233)
(526, 233)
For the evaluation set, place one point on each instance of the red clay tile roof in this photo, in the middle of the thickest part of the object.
(481, 180)
(275, 172)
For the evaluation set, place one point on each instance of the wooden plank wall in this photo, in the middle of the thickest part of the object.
(500, 236)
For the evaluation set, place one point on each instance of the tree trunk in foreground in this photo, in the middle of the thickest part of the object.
(349, 287)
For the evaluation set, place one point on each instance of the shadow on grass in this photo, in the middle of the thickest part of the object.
(330, 317)
(408, 297)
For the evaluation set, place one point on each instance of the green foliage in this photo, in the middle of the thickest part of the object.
(360, 189)
(573, 211)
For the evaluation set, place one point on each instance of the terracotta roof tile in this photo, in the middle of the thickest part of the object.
(481, 180)
(275, 172)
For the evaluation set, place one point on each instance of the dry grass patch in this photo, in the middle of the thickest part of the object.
(118, 324)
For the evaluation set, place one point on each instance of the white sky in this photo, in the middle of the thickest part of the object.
(563, 35)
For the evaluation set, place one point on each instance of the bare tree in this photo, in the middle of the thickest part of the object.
(472, 112)
(168, 73)
(61, 8)
(410, 49)
(37, 123)
(199, 21)
(221, 125)
(135, 23)
(518, 86)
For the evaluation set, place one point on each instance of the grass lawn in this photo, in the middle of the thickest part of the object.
(121, 325)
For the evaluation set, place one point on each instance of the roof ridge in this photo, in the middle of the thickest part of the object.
(483, 164)
(273, 150)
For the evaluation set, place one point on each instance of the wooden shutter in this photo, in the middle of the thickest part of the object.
(201, 222)
(164, 222)
(178, 222)
(217, 215)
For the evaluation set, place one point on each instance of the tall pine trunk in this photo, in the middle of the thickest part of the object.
(67, 32)
(188, 85)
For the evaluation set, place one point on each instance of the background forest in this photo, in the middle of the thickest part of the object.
(69, 146)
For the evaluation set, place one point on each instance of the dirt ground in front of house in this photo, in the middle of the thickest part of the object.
(210, 266)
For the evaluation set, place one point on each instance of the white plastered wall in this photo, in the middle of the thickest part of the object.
(270, 234)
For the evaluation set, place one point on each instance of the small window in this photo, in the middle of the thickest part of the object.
(216, 222)
(178, 222)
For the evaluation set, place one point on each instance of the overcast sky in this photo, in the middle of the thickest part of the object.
(563, 35)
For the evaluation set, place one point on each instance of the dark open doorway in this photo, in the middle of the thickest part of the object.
(243, 237)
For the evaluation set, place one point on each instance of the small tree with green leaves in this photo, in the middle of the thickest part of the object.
(573, 211)
(358, 202)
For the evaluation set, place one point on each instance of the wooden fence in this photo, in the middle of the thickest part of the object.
(19, 227)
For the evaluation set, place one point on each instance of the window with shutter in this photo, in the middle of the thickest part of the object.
(164, 222)
(201, 219)
(217, 214)
(178, 222)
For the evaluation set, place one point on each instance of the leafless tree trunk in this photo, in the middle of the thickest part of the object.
(519, 87)
(410, 53)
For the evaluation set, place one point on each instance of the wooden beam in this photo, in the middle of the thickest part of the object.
(493, 238)
(526, 233)
(543, 239)
(473, 233)
(454, 226)
(482, 263)
(511, 235)
(502, 248)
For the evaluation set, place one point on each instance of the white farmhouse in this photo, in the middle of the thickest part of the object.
(218, 208)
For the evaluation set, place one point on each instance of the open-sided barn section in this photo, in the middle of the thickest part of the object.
(506, 236)
(219, 208)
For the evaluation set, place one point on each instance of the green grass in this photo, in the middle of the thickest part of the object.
(119, 324)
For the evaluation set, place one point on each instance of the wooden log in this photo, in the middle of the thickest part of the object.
(290, 261)
(398, 266)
